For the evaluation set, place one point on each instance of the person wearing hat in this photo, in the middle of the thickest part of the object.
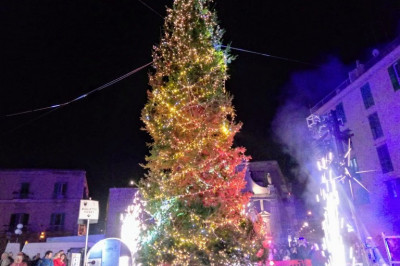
(19, 260)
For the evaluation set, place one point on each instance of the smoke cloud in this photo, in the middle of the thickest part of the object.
(289, 125)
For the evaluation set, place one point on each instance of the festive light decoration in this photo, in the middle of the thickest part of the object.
(343, 239)
(132, 226)
(332, 224)
(193, 188)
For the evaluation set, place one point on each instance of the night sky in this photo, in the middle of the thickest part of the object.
(54, 51)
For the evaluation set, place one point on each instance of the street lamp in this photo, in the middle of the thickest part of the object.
(18, 231)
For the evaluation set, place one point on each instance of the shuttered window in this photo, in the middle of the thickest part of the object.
(394, 74)
(340, 112)
(367, 96)
(57, 221)
(375, 125)
(60, 190)
(18, 218)
(384, 158)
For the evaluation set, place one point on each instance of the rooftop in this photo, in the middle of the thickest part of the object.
(382, 53)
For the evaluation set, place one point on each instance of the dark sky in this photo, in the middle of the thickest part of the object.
(53, 51)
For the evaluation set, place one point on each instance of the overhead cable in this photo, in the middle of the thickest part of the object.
(56, 106)
(268, 55)
(149, 7)
(245, 50)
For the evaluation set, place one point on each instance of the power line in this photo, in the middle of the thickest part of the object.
(30, 121)
(56, 106)
(245, 50)
(149, 7)
(268, 55)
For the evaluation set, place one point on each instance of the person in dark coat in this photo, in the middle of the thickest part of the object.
(47, 259)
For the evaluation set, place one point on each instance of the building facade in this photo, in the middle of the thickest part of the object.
(271, 198)
(367, 104)
(119, 199)
(45, 202)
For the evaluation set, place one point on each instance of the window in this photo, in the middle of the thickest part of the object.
(60, 190)
(340, 112)
(394, 73)
(367, 96)
(384, 158)
(81, 229)
(24, 191)
(375, 126)
(393, 187)
(57, 221)
(18, 218)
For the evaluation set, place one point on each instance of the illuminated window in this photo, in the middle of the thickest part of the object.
(367, 96)
(375, 125)
(384, 158)
(340, 112)
(81, 229)
(394, 73)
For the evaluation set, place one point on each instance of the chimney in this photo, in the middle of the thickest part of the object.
(358, 71)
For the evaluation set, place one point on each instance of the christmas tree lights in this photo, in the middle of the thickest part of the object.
(133, 227)
(193, 188)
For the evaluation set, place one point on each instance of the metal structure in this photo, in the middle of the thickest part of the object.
(329, 138)
(332, 147)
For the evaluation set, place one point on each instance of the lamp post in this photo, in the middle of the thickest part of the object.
(18, 231)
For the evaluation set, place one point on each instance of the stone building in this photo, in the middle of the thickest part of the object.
(368, 105)
(119, 199)
(45, 202)
(271, 198)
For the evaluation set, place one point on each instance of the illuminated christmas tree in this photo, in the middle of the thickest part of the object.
(193, 188)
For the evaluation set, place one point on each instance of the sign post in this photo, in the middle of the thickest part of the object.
(89, 211)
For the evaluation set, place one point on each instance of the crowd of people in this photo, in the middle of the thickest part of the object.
(22, 259)
(300, 250)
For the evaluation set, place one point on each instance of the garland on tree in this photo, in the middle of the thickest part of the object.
(193, 188)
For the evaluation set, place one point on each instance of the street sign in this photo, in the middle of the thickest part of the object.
(75, 259)
(89, 210)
